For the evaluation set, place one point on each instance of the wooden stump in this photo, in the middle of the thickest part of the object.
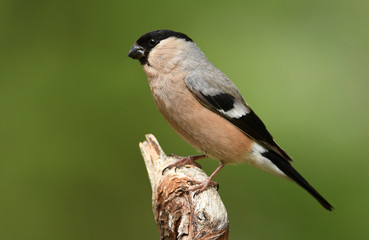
(179, 213)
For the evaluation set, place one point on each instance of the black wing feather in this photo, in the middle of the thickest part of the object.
(220, 101)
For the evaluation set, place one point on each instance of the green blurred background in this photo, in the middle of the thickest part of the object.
(73, 108)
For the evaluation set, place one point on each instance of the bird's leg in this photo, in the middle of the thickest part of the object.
(185, 161)
(202, 186)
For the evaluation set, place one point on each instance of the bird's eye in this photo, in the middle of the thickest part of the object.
(152, 42)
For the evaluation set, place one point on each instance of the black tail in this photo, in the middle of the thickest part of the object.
(286, 167)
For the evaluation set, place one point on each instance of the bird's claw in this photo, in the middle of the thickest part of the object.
(162, 172)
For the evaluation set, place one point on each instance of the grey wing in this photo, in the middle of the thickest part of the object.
(223, 98)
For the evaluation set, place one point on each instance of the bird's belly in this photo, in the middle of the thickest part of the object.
(204, 129)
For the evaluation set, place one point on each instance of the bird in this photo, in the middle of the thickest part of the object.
(207, 110)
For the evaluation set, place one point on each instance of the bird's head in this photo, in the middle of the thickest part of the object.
(160, 45)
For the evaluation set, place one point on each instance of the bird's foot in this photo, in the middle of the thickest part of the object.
(184, 161)
(202, 186)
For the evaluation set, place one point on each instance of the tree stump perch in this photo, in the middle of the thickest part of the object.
(179, 213)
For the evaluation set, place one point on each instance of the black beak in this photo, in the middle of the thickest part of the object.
(136, 52)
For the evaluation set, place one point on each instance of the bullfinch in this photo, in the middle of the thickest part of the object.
(207, 110)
